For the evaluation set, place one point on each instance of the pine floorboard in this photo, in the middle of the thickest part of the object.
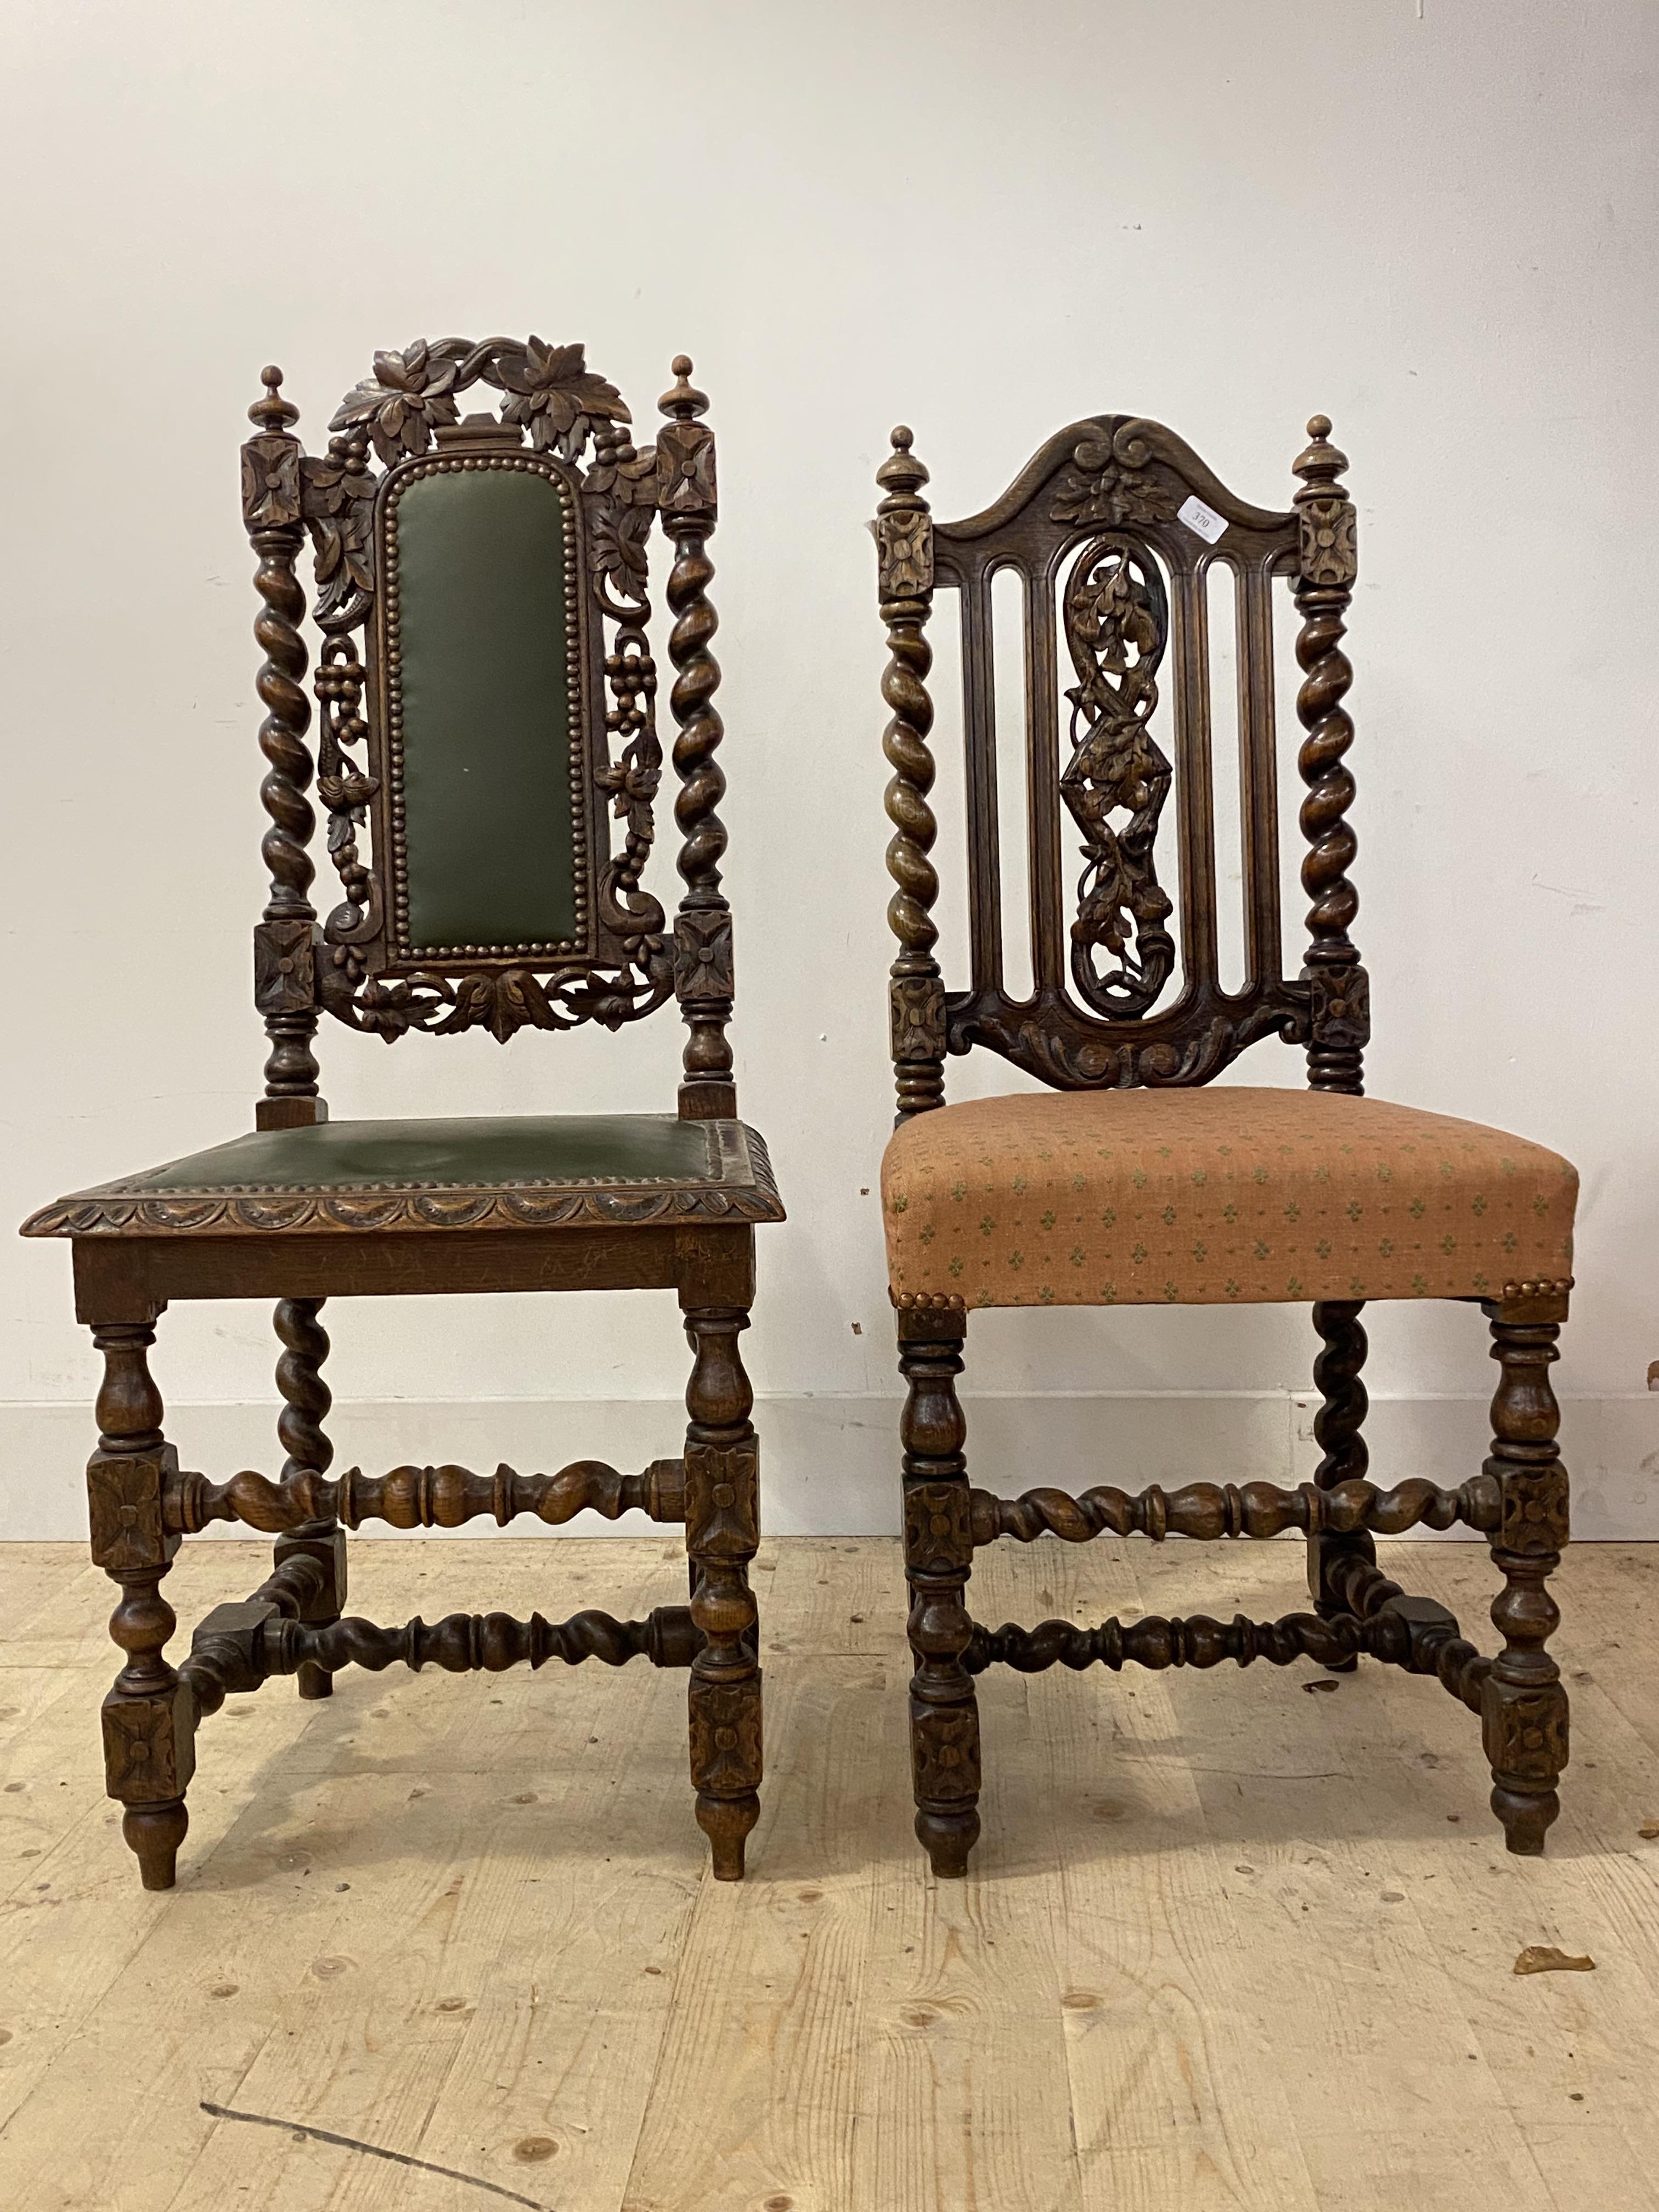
(1225, 1944)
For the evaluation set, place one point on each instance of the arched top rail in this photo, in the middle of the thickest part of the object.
(1112, 471)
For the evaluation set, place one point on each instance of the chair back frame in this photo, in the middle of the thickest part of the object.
(1104, 511)
(359, 964)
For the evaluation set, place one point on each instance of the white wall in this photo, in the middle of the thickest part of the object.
(1435, 222)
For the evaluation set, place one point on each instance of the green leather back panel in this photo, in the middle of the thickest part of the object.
(516, 1149)
(488, 841)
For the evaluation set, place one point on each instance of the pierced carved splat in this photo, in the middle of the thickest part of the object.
(1117, 623)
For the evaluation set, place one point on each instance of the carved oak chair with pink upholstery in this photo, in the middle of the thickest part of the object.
(1128, 1182)
(472, 764)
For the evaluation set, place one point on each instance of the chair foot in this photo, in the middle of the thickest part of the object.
(1526, 1815)
(726, 1821)
(153, 1834)
(314, 1681)
(947, 1839)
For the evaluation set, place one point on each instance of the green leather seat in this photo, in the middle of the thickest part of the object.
(533, 1168)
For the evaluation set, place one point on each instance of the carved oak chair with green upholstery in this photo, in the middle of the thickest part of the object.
(470, 771)
(1135, 1185)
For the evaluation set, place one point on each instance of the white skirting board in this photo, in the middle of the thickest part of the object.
(829, 1465)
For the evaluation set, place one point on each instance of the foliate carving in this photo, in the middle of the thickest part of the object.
(554, 394)
(1110, 481)
(916, 1006)
(702, 955)
(270, 481)
(620, 491)
(339, 506)
(945, 1759)
(125, 1506)
(1535, 1507)
(904, 541)
(397, 415)
(149, 1744)
(1340, 1006)
(685, 469)
(722, 1500)
(1074, 1053)
(939, 1537)
(726, 1736)
(549, 391)
(1524, 1733)
(1117, 623)
(409, 395)
(283, 967)
(502, 1001)
(1329, 553)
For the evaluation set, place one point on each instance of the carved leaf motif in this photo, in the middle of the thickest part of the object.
(399, 405)
(554, 394)
(617, 533)
(339, 507)
(503, 1003)
(1101, 488)
(387, 1007)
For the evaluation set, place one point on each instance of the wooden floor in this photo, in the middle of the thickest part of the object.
(1226, 1944)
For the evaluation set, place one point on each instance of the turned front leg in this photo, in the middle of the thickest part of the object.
(306, 1401)
(1338, 1427)
(722, 1530)
(937, 1556)
(1524, 1712)
(149, 1720)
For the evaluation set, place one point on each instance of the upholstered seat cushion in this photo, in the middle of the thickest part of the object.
(529, 1171)
(1209, 1196)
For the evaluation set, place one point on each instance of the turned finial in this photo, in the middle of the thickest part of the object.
(684, 403)
(901, 472)
(272, 411)
(1321, 463)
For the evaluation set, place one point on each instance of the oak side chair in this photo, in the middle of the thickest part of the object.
(503, 708)
(1137, 1186)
